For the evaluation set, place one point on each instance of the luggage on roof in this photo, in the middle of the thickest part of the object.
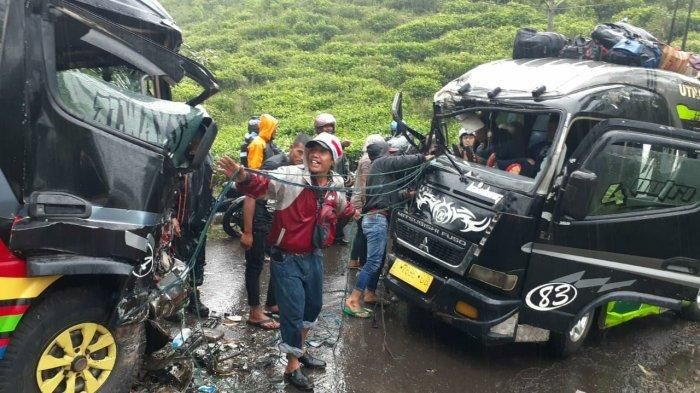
(530, 44)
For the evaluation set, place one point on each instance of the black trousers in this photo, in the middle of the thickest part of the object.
(254, 263)
(359, 245)
(185, 247)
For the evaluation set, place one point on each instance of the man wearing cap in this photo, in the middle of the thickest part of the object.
(303, 223)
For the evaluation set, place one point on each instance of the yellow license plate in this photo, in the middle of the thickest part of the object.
(411, 275)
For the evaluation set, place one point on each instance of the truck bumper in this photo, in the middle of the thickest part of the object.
(441, 300)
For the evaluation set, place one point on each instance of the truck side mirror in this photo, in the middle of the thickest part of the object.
(577, 195)
(397, 108)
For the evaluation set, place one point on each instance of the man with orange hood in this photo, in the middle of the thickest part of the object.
(260, 148)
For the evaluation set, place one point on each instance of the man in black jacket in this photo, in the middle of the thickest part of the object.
(383, 194)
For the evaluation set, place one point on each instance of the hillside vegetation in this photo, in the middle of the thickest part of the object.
(297, 58)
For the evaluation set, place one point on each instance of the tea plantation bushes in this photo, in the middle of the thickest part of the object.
(297, 58)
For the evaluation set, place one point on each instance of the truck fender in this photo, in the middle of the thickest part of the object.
(672, 304)
(68, 265)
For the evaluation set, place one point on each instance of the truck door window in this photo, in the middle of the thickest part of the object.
(627, 102)
(107, 90)
(640, 177)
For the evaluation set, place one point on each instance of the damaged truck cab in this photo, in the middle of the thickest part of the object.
(91, 148)
(580, 209)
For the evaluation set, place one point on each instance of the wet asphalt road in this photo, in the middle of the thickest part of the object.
(412, 352)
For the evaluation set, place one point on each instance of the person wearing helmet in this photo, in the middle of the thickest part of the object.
(469, 136)
(358, 252)
(383, 194)
(303, 223)
(325, 122)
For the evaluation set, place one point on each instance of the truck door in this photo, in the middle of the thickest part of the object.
(624, 226)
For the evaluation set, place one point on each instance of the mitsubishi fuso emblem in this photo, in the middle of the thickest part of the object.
(443, 212)
(424, 245)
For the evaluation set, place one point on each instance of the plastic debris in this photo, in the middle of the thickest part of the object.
(181, 337)
(207, 389)
(212, 335)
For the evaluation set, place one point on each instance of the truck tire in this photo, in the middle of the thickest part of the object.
(692, 311)
(233, 220)
(565, 344)
(101, 359)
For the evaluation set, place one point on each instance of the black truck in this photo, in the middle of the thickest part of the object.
(91, 148)
(600, 230)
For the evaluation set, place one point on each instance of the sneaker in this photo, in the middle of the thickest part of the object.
(311, 362)
(299, 380)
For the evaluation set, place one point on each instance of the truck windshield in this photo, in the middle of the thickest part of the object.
(517, 143)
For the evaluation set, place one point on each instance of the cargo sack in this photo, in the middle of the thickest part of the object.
(529, 44)
(633, 52)
(675, 60)
(583, 49)
(694, 62)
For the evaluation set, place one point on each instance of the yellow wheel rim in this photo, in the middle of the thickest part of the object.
(78, 359)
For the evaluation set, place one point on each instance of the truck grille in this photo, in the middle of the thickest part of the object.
(443, 250)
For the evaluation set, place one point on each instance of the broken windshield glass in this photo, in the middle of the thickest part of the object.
(149, 119)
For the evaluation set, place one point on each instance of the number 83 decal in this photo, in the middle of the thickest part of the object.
(551, 296)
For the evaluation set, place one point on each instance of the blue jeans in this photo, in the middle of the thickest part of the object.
(299, 294)
(375, 229)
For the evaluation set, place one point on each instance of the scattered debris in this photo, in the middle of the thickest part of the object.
(645, 371)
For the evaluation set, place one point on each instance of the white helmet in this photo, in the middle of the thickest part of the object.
(324, 119)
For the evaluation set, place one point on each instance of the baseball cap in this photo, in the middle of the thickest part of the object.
(329, 142)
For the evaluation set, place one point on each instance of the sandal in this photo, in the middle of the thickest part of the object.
(363, 313)
(271, 313)
(264, 324)
(378, 302)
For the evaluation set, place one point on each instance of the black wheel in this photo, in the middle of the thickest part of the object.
(63, 344)
(233, 220)
(692, 311)
(565, 344)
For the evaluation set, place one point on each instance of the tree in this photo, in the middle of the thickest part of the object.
(552, 6)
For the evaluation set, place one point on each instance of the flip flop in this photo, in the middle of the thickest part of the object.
(378, 301)
(364, 313)
(272, 314)
(261, 324)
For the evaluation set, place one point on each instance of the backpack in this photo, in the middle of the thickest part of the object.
(635, 52)
(609, 34)
(529, 44)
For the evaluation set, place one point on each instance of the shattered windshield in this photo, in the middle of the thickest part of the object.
(119, 105)
(517, 143)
